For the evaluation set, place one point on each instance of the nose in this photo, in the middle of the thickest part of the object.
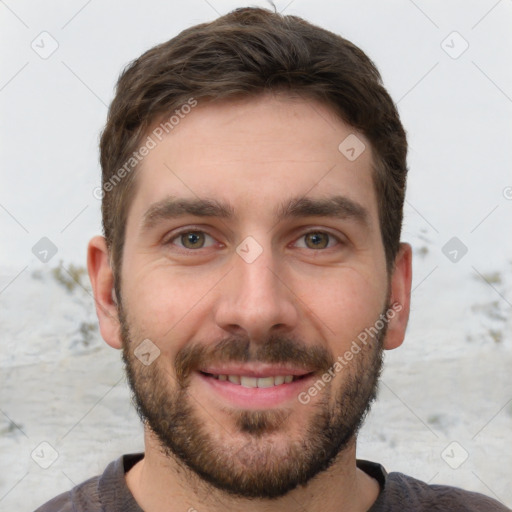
(256, 299)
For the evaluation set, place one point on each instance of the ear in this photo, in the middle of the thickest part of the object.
(400, 297)
(102, 280)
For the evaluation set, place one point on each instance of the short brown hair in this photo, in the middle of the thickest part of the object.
(247, 52)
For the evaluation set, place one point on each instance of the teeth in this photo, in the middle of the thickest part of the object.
(235, 379)
(266, 382)
(248, 382)
(256, 382)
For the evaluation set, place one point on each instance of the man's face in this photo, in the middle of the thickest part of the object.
(280, 287)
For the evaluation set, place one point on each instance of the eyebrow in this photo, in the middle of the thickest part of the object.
(338, 207)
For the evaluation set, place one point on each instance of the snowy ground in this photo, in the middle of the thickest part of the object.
(444, 414)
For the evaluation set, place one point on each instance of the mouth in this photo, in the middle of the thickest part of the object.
(249, 381)
(254, 388)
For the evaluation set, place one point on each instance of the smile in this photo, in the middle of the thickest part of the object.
(253, 389)
(256, 382)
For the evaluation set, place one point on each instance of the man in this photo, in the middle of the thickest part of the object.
(254, 174)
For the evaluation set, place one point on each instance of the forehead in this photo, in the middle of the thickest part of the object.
(253, 154)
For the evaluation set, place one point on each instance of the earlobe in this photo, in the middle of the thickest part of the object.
(102, 280)
(400, 297)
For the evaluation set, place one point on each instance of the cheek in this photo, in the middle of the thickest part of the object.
(162, 302)
(345, 304)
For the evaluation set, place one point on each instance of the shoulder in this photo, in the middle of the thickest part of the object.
(83, 497)
(420, 496)
(99, 492)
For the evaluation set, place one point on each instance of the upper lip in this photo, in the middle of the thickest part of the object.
(254, 370)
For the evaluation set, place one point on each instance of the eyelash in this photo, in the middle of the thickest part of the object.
(192, 230)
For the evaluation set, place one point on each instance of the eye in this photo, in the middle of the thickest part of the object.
(196, 239)
(318, 240)
(190, 239)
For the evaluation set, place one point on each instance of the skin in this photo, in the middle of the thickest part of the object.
(253, 154)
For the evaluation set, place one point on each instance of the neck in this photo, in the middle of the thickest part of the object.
(158, 480)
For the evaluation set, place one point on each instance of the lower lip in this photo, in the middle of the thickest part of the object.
(255, 398)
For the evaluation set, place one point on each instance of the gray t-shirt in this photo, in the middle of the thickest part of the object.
(109, 493)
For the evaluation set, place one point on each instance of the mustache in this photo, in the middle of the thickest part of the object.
(277, 349)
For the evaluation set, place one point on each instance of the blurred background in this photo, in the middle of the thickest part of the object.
(444, 413)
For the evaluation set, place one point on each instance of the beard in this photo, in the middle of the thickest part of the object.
(248, 462)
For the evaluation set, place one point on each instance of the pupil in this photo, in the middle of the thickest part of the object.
(316, 239)
(192, 238)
